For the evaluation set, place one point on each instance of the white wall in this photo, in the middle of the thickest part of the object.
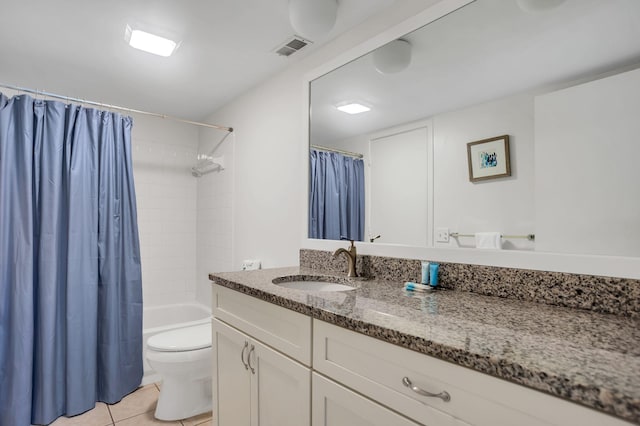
(267, 188)
(271, 161)
(270, 183)
(587, 173)
(163, 153)
(504, 204)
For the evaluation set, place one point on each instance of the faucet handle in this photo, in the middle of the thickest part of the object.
(352, 246)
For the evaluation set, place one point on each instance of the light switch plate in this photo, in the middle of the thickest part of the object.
(251, 264)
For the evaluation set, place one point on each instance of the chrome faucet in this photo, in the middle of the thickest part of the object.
(351, 258)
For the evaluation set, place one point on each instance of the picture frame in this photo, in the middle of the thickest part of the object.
(489, 158)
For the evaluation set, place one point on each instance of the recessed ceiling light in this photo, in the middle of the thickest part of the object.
(150, 43)
(353, 108)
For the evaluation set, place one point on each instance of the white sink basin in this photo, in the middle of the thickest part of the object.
(315, 286)
(312, 283)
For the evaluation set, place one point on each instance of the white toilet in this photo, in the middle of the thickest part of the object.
(182, 357)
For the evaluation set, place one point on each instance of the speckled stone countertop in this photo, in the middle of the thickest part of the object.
(583, 356)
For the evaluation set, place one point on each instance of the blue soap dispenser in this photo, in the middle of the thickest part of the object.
(433, 274)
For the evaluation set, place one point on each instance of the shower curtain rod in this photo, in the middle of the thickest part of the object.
(339, 151)
(100, 104)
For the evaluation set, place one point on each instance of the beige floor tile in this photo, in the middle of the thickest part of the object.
(150, 386)
(207, 423)
(145, 419)
(141, 401)
(99, 416)
(198, 420)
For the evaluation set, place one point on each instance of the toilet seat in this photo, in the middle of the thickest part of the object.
(182, 357)
(182, 339)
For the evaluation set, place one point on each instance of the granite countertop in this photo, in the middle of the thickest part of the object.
(586, 357)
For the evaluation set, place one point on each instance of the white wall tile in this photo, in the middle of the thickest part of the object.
(214, 240)
(163, 153)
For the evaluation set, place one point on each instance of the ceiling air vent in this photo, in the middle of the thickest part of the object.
(291, 46)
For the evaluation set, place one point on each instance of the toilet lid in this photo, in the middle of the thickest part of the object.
(182, 339)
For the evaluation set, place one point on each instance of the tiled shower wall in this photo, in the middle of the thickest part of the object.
(186, 223)
(163, 154)
(214, 240)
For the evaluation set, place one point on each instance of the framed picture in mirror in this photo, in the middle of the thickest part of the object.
(489, 158)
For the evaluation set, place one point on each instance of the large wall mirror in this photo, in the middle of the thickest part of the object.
(560, 78)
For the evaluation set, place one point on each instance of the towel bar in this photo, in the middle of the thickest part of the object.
(530, 237)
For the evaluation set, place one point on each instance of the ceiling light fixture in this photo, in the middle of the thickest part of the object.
(393, 57)
(150, 43)
(353, 108)
(313, 19)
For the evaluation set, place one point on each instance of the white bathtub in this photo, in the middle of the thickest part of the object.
(168, 317)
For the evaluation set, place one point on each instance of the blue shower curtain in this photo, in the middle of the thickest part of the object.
(336, 196)
(70, 279)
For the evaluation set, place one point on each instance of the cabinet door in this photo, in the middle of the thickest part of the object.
(231, 380)
(335, 405)
(281, 389)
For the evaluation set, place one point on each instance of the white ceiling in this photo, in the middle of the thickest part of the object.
(76, 48)
(486, 50)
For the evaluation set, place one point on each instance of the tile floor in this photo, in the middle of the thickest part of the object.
(136, 409)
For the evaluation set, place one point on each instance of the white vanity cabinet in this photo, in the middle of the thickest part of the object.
(232, 380)
(381, 372)
(257, 385)
(255, 380)
(276, 367)
(335, 405)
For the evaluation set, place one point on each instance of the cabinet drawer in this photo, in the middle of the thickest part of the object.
(282, 329)
(376, 369)
(335, 405)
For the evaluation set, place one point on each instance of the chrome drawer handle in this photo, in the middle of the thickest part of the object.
(246, 345)
(444, 395)
(253, 348)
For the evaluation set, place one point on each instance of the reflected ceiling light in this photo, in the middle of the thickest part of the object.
(393, 57)
(150, 43)
(313, 19)
(353, 108)
(534, 6)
